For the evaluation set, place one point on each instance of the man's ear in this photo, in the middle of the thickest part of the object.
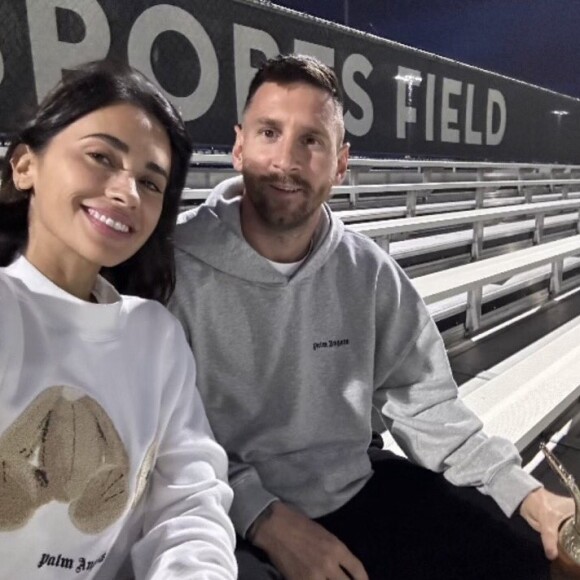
(237, 151)
(23, 166)
(342, 165)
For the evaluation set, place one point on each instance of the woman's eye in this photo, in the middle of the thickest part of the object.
(151, 185)
(100, 158)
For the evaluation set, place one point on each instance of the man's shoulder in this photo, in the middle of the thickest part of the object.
(366, 257)
(364, 247)
(186, 222)
(186, 216)
(191, 226)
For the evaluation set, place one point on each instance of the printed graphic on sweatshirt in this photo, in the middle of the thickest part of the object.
(63, 448)
(77, 565)
(330, 343)
(145, 472)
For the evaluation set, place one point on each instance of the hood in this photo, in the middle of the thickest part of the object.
(212, 233)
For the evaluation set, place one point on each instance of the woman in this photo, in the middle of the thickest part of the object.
(103, 436)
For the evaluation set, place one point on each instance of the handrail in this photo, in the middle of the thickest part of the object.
(225, 159)
(482, 183)
(438, 185)
(355, 190)
(366, 162)
(386, 163)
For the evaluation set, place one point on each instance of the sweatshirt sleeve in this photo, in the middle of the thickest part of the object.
(419, 398)
(187, 533)
(250, 496)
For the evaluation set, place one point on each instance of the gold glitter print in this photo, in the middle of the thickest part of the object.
(144, 473)
(64, 448)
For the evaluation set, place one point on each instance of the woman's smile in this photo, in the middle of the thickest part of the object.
(109, 222)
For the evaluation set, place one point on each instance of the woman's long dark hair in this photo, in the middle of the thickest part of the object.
(150, 273)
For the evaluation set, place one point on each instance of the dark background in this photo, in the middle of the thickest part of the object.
(537, 41)
(458, 109)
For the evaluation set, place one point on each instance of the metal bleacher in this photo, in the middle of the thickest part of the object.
(442, 217)
(484, 243)
(435, 215)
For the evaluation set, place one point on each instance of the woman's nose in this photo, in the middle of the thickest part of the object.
(122, 188)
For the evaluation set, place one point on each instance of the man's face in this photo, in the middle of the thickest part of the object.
(289, 152)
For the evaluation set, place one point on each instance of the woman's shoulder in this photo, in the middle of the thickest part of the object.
(152, 314)
(160, 337)
(138, 306)
(11, 288)
(12, 296)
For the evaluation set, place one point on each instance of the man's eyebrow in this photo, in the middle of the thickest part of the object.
(310, 129)
(267, 121)
(124, 148)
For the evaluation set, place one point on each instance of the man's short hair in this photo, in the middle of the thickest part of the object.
(286, 69)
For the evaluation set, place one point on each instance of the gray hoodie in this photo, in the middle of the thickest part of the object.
(294, 371)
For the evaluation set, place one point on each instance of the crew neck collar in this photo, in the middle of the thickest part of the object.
(97, 319)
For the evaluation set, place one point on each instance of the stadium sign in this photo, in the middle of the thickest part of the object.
(398, 101)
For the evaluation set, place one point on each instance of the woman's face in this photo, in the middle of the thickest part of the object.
(97, 187)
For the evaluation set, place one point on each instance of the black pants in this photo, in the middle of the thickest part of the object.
(408, 523)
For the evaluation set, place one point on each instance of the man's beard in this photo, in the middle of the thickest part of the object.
(279, 214)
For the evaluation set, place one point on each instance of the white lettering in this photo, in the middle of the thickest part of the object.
(148, 26)
(494, 97)
(471, 137)
(407, 78)
(247, 39)
(319, 51)
(357, 63)
(430, 108)
(51, 55)
(448, 114)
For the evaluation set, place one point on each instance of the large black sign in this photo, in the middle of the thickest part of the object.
(399, 101)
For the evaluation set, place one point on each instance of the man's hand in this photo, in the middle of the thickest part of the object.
(302, 549)
(545, 511)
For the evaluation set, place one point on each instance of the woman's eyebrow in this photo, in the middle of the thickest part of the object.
(113, 141)
(124, 148)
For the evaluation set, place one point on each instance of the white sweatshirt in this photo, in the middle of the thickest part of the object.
(103, 440)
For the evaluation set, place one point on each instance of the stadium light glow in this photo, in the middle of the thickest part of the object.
(412, 80)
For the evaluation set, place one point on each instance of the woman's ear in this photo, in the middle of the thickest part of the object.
(23, 166)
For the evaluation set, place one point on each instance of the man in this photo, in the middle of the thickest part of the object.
(304, 334)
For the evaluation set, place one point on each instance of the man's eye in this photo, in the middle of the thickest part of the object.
(268, 133)
(310, 140)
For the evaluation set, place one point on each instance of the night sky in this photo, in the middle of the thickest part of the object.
(537, 41)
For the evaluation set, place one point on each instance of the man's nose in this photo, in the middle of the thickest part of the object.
(122, 188)
(287, 155)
